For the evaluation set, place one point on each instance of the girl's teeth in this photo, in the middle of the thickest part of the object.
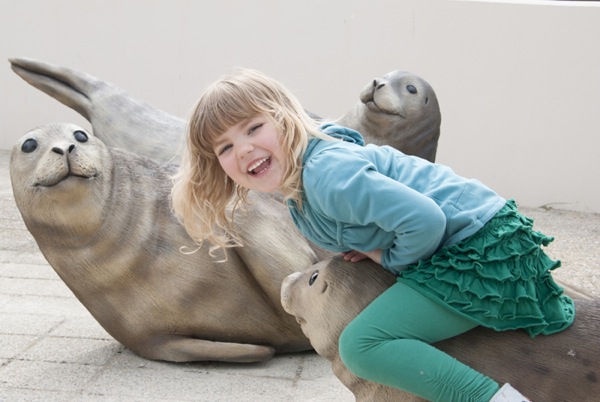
(257, 164)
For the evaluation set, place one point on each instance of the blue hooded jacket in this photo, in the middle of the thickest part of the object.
(358, 197)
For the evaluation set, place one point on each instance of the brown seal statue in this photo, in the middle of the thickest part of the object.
(102, 219)
(399, 109)
(560, 367)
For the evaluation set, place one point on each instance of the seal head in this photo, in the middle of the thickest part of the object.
(399, 109)
(56, 167)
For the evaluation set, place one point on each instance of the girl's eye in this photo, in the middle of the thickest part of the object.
(313, 278)
(254, 128)
(223, 149)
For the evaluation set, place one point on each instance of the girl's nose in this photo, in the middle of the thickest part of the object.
(244, 148)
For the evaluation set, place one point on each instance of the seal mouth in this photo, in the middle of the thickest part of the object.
(372, 106)
(53, 183)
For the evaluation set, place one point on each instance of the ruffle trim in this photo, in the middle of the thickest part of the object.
(499, 277)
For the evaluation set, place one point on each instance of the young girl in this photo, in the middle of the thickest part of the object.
(463, 255)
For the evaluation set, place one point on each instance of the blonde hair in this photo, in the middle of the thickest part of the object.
(204, 198)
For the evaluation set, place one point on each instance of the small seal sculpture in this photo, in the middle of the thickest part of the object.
(400, 109)
(102, 218)
(560, 367)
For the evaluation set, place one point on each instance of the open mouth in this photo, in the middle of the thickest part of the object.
(259, 166)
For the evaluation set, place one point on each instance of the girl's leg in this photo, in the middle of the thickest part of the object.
(389, 343)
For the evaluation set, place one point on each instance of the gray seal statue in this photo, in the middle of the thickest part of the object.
(102, 218)
(399, 109)
(561, 367)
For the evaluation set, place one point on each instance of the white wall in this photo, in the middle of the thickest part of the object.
(519, 84)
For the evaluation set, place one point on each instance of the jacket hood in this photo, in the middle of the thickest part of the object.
(343, 133)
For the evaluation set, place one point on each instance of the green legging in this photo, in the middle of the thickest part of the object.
(389, 343)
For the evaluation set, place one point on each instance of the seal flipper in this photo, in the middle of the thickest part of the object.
(65, 85)
(117, 118)
(185, 349)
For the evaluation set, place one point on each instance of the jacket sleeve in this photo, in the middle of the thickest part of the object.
(352, 191)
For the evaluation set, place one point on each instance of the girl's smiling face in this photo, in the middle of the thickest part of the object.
(250, 154)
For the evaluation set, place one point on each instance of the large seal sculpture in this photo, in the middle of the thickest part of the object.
(560, 367)
(102, 218)
(400, 109)
(117, 245)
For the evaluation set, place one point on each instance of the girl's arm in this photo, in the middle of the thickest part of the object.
(357, 194)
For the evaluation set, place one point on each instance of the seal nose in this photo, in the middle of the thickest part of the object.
(377, 84)
(286, 293)
(61, 151)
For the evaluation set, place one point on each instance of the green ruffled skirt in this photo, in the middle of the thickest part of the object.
(499, 277)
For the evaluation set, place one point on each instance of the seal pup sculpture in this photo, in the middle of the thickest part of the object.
(400, 110)
(560, 367)
(102, 218)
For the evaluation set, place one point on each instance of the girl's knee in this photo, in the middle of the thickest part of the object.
(350, 348)
(359, 348)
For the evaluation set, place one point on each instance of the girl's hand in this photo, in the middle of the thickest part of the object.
(355, 256)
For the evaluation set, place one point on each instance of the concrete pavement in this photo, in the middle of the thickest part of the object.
(51, 349)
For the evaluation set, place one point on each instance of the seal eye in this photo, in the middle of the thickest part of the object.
(29, 146)
(313, 278)
(80, 136)
(411, 89)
